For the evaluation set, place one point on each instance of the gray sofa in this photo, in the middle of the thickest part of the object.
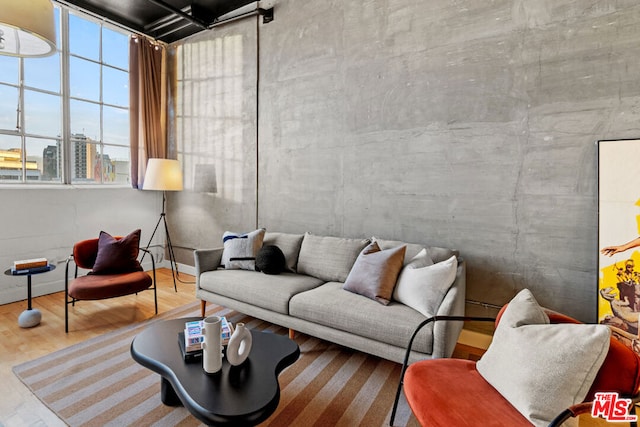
(309, 297)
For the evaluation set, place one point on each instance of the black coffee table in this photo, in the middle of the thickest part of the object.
(237, 395)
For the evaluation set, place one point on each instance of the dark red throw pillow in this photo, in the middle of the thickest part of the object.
(117, 255)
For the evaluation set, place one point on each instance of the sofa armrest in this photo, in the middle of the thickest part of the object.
(206, 260)
(445, 334)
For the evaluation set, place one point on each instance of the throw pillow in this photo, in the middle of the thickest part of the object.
(541, 368)
(422, 285)
(270, 260)
(240, 250)
(375, 272)
(412, 248)
(117, 255)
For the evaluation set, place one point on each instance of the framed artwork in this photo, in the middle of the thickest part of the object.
(619, 237)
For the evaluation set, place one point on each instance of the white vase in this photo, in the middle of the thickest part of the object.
(239, 345)
(211, 346)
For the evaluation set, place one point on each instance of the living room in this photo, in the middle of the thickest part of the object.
(467, 125)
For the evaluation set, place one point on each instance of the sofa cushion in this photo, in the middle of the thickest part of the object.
(423, 287)
(329, 258)
(541, 368)
(271, 292)
(288, 243)
(332, 306)
(430, 386)
(240, 250)
(375, 272)
(437, 254)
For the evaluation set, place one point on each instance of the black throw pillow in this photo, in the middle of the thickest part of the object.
(270, 260)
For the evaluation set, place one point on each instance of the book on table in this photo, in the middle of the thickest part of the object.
(192, 336)
(26, 264)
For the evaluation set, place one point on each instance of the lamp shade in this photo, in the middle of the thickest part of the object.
(163, 174)
(27, 28)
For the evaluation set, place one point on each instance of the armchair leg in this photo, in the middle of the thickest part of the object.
(203, 307)
(66, 313)
(155, 289)
(66, 294)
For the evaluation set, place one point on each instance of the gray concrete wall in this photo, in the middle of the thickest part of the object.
(468, 124)
(213, 130)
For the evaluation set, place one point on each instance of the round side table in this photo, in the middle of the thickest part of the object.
(31, 316)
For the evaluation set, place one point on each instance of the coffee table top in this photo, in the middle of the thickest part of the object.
(238, 395)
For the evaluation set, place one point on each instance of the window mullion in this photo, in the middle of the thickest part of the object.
(67, 152)
(23, 142)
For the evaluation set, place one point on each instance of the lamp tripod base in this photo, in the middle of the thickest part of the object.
(169, 247)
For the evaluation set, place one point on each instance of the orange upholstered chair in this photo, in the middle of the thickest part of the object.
(452, 392)
(115, 270)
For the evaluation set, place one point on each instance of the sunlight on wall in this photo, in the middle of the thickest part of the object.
(209, 126)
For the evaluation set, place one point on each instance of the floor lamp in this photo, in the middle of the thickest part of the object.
(164, 175)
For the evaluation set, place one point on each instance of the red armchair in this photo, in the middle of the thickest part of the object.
(115, 271)
(451, 392)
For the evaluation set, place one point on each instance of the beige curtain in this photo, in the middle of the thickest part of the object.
(148, 105)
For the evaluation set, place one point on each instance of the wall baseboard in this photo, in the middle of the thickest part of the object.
(184, 268)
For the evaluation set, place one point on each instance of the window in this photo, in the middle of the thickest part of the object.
(65, 118)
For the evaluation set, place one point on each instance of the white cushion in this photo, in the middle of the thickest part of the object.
(240, 249)
(422, 285)
(412, 248)
(542, 368)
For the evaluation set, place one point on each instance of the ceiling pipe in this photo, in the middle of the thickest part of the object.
(267, 16)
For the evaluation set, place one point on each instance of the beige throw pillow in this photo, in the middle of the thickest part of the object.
(542, 368)
(375, 272)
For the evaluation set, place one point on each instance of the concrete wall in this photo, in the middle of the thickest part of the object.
(214, 133)
(45, 222)
(468, 124)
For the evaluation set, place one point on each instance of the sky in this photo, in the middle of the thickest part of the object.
(43, 110)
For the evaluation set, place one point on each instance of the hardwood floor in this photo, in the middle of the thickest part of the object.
(18, 407)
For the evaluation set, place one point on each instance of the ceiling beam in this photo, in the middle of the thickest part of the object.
(180, 13)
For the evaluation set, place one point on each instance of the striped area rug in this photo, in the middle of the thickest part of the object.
(97, 383)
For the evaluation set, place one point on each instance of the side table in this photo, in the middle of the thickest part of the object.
(31, 316)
